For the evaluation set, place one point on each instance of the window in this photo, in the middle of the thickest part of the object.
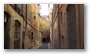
(62, 41)
(12, 5)
(6, 16)
(17, 29)
(34, 17)
(34, 25)
(28, 19)
(19, 8)
(29, 34)
(32, 36)
(61, 17)
(71, 27)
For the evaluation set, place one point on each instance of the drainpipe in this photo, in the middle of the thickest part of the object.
(25, 24)
(23, 30)
(58, 27)
(26, 18)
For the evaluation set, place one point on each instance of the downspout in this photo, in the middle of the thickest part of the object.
(25, 22)
(58, 26)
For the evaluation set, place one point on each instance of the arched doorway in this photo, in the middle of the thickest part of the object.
(62, 41)
(71, 26)
(6, 30)
(44, 40)
(17, 32)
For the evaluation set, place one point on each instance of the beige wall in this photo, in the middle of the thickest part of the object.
(79, 8)
(33, 26)
(13, 16)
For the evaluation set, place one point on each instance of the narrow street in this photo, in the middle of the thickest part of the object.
(43, 26)
(45, 46)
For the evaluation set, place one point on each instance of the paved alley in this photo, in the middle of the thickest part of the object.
(45, 46)
(43, 26)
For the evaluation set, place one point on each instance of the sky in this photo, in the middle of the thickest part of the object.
(44, 9)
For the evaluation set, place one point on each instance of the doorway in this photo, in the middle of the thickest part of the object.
(6, 30)
(62, 41)
(71, 26)
(17, 34)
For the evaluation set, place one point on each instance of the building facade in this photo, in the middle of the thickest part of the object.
(68, 26)
(32, 28)
(21, 26)
(45, 22)
(13, 26)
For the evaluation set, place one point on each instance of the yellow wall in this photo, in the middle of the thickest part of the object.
(13, 16)
(32, 10)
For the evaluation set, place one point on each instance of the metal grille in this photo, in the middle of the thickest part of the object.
(71, 26)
